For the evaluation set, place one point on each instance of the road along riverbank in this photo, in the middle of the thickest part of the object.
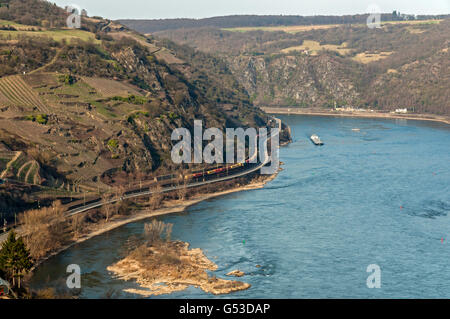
(170, 207)
(367, 114)
(387, 203)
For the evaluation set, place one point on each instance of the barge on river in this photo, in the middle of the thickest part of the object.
(316, 140)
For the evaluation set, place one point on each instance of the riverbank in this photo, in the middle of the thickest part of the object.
(170, 207)
(368, 114)
(294, 240)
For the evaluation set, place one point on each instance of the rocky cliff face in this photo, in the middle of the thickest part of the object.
(294, 80)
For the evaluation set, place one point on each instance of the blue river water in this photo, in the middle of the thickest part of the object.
(380, 195)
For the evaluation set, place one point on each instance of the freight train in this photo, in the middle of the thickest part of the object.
(200, 174)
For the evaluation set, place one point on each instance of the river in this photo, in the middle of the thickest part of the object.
(380, 195)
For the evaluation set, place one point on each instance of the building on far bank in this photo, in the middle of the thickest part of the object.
(345, 109)
(351, 109)
(401, 111)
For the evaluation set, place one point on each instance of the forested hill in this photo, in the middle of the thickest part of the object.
(403, 64)
(239, 21)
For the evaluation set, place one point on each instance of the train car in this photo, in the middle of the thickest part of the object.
(236, 165)
(195, 175)
(198, 174)
(210, 172)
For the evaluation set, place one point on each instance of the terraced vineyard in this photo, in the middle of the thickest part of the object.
(5, 158)
(21, 168)
(29, 173)
(17, 92)
(17, 166)
(3, 98)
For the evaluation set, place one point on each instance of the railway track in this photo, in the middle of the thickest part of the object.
(95, 203)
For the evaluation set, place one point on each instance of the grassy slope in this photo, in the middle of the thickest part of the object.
(57, 35)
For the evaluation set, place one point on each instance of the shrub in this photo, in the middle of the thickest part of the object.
(132, 99)
(113, 144)
(172, 115)
(40, 118)
(67, 79)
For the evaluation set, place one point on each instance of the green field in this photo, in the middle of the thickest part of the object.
(413, 22)
(13, 24)
(57, 35)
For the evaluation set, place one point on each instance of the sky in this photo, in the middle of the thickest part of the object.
(162, 9)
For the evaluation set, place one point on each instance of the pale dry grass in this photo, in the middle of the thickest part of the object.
(110, 88)
(287, 29)
(366, 57)
(313, 47)
(415, 22)
(168, 57)
(304, 28)
(415, 30)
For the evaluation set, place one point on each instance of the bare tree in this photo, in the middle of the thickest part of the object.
(156, 198)
(44, 229)
(184, 180)
(106, 206)
(77, 223)
(157, 232)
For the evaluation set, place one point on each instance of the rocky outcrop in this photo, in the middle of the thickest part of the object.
(169, 267)
(236, 273)
(295, 80)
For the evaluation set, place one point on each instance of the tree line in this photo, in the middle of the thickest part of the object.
(234, 21)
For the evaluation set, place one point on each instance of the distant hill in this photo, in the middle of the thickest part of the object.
(235, 21)
(404, 64)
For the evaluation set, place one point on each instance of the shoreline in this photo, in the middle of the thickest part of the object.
(316, 112)
(172, 207)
